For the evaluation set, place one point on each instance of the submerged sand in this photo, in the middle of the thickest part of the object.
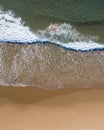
(65, 109)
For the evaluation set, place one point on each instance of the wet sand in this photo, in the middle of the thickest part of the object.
(65, 109)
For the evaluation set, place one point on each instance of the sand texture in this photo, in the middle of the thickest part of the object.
(65, 109)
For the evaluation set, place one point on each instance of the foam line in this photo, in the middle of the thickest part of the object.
(13, 30)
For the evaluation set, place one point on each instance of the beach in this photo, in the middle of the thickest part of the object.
(31, 108)
(51, 65)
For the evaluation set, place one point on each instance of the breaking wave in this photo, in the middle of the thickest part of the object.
(13, 30)
(48, 66)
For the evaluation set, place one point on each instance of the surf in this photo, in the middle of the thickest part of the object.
(48, 58)
(14, 30)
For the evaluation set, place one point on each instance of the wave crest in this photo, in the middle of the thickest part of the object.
(12, 29)
(63, 33)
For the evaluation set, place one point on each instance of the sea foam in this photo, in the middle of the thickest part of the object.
(13, 30)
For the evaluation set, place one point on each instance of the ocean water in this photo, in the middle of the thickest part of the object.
(52, 44)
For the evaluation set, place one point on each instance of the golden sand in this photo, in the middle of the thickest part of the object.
(65, 109)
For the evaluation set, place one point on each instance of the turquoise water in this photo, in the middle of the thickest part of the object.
(52, 44)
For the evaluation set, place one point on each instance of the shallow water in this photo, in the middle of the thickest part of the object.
(49, 66)
(67, 53)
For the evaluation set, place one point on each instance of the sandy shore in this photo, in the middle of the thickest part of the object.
(66, 109)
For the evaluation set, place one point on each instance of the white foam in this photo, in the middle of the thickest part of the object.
(68, 37)
(83, 46)
(59, 33)
(12, 29)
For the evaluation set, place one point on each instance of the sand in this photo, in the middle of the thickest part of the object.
(65, 109)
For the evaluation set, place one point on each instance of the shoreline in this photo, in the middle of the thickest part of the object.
(31, 95)
(33, 108)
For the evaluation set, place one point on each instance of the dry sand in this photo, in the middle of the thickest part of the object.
(66, 109)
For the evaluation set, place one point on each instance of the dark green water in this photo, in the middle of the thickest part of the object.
(40, 13)
(65, 10)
